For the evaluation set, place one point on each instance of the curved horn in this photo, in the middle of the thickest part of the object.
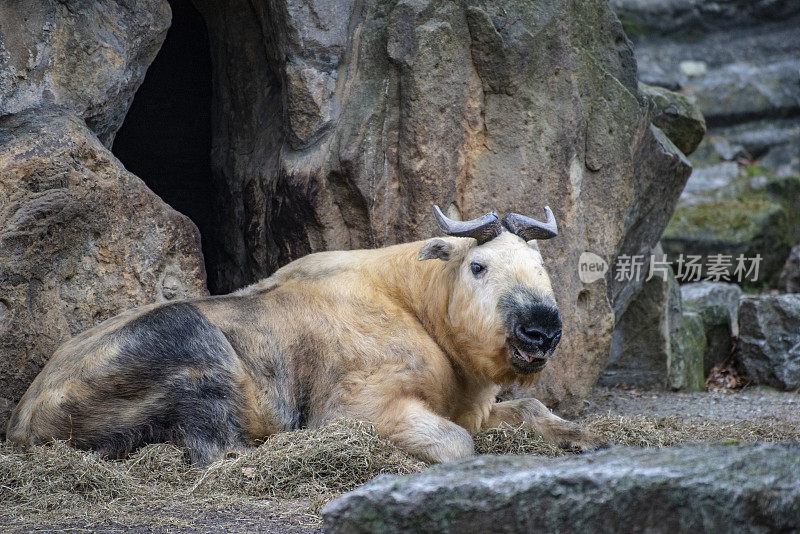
(528, 228)
(483, 228)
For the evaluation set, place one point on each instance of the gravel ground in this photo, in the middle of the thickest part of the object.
(748, 404)
(253, 517)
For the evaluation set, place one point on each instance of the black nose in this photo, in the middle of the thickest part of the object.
(541, 330)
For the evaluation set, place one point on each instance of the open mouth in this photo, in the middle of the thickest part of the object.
(526, 362)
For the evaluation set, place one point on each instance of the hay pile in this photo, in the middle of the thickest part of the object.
(56, 485)
(514, 440)
(321, 463)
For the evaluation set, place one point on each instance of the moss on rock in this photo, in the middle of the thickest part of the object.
(687, 347)
(756, 214)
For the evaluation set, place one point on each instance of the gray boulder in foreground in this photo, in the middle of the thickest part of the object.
(769, 339)
(694, 488)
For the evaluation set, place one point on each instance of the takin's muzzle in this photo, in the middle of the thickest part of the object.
(533, 327)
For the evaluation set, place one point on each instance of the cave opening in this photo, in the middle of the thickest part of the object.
(166, 136)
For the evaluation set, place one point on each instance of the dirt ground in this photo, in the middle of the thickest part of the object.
(631, 417)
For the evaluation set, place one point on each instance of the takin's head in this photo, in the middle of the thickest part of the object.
(502, 311)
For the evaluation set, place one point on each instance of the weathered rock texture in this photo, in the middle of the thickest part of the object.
(746, 214)
(686, 353)
(87, 56)
(641, 344)
(736, 59)
(769, 339)
(82, 240)
(752, 488)
(693, 17)
(339, 123)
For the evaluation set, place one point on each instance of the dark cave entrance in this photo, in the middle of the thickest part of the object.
(166, 136)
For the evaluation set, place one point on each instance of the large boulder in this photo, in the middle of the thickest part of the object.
(640, 347)
(739, 91)
(694, 488)
(654, 18)
(82, 240)
(769, 339)
(339, 123)
(739, 63)
(87, 56)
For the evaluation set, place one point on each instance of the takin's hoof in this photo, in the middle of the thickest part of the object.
(588, 444)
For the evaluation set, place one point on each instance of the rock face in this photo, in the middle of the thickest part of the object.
(769, 339)
(705, 294)
(339, 123)
(751, 488)
(82, 240)
(680, 17)
(656, 344)
(87, 56)
(640, 346)
(789, 280)
(737, 60)
(739, 63)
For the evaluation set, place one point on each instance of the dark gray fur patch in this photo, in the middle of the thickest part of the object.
(267, 359)
(434, 249)
(156, 353)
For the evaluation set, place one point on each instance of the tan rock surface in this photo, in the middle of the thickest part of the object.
(81, 240)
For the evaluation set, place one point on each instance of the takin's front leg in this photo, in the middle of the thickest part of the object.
(419, 431)
(533, 414)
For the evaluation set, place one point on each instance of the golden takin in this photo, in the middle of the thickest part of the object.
(413, 338)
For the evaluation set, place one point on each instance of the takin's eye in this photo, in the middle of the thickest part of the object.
(476, 268)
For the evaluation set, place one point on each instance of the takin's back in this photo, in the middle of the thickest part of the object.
(318, 340)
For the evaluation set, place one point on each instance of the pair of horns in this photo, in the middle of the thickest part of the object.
(489, 226)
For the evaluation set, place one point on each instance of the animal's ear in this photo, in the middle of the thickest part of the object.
(436, 249)
(535, 246)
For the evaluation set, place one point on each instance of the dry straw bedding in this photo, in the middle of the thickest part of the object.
(299, 471)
